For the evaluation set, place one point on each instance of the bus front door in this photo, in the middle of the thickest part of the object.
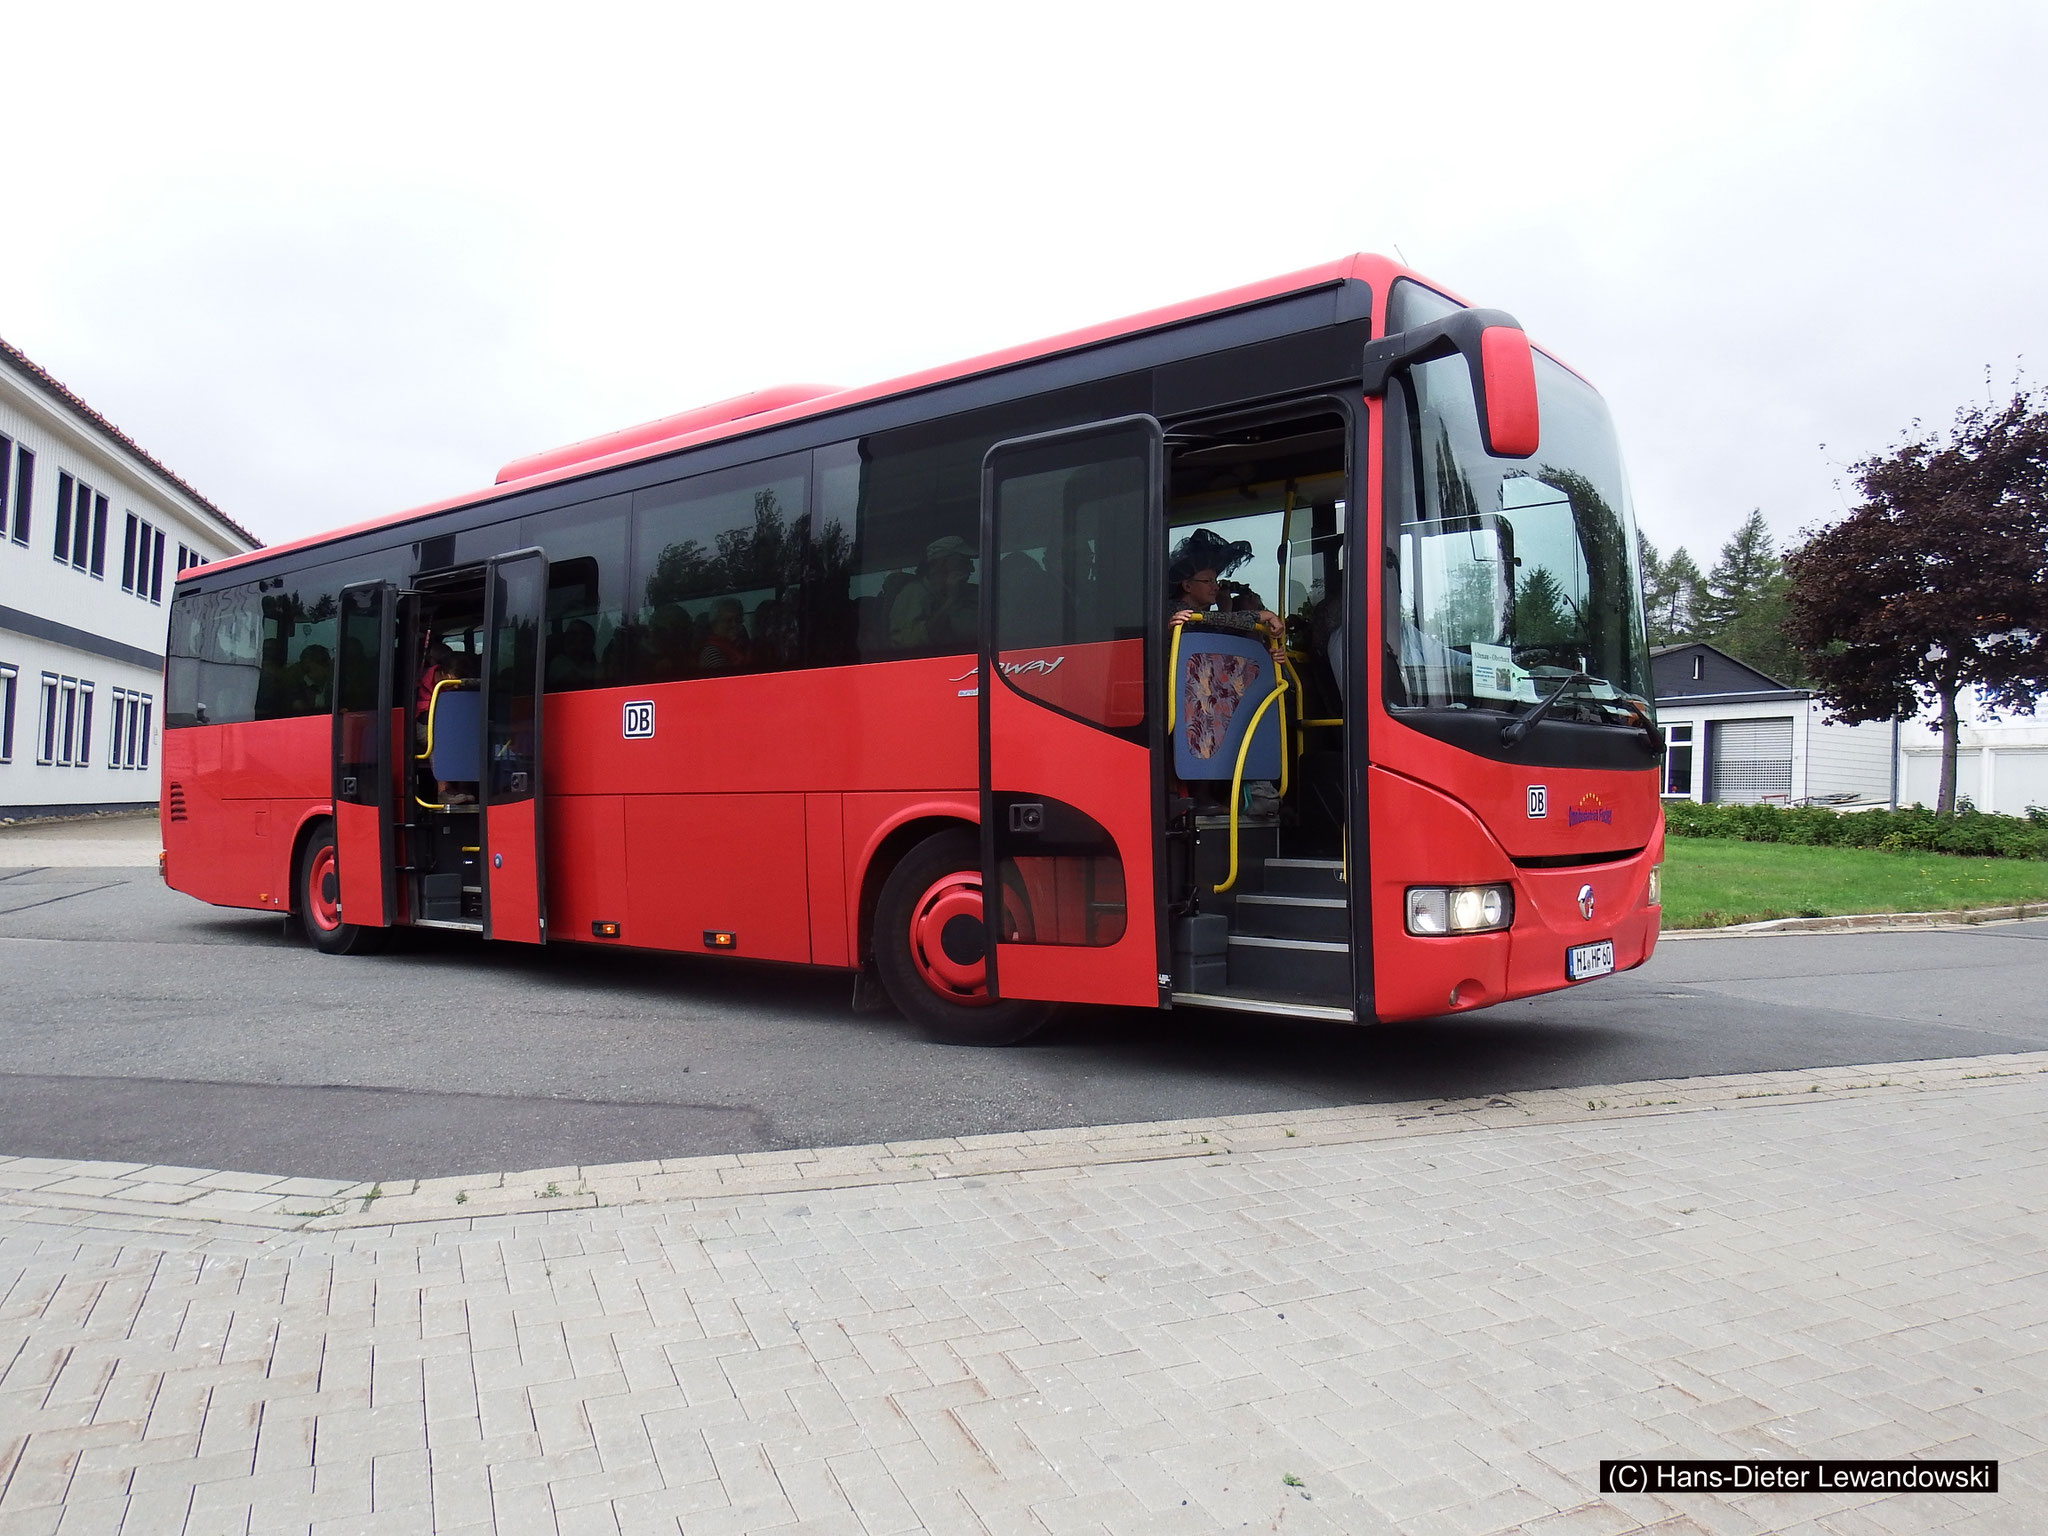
(363, 755)
(509, 787)
(1070, 695)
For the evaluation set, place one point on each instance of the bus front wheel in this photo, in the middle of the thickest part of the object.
(317, 886)
(930, 947)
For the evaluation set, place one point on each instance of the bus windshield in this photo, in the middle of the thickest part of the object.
(1518, 576)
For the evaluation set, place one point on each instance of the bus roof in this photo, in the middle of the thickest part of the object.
(782, 404)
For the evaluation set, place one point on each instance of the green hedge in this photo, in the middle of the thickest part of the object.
(1913, 829)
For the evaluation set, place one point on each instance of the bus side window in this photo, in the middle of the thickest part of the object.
(708, 553)
(587, 640)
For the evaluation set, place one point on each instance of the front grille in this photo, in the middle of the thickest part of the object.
(1575, 860)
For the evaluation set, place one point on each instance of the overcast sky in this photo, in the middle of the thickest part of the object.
(329, 262)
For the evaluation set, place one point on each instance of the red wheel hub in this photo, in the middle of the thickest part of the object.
(323, 889)
(948, 942)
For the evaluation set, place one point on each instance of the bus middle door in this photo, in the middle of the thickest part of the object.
(509, 778)
(364, 757)
(1070, 695)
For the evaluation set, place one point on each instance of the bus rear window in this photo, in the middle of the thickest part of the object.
(214, 668)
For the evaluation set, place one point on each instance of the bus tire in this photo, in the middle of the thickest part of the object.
(317, 896)
(927, 939)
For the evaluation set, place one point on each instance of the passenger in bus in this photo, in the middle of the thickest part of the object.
(574, 664)
(1194, 590)
(725, 647)
(1195, 587)
(942, 608)
(314, 677)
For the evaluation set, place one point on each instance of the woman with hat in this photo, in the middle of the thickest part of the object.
(1194, 586)
(941, 608)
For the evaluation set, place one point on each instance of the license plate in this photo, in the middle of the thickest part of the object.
(1584, 960)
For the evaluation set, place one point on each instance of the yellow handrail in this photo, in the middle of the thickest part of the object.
(433, 699)
(1173, 674)
(1237, 774)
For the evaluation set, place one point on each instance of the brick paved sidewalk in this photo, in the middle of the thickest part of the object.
(1422, 1319)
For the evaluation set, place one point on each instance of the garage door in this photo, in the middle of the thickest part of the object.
(1752, 761)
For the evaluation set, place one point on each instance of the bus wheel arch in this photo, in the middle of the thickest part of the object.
(918, 951)
(295, 896)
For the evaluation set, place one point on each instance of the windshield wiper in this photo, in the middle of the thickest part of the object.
(1512, 733)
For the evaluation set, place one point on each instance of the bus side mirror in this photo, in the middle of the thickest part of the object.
(1505, 381)
(1502, 366)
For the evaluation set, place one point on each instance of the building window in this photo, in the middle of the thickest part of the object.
(142, 560)
(187, 558)
(67, 722)
(81, 540)
(1699, 668)
(17, 487)
(1678, 760)
(128, 720)
(24, 491)
(7, 686)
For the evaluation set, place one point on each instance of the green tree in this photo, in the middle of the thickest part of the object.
(1939, 580)
(1543, 613)
(1674, 591)
(1744, 609)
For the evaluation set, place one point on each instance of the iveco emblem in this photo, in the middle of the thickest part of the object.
(1586, 902)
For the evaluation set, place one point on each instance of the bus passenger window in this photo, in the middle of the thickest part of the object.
(709, 550)
(586, 633)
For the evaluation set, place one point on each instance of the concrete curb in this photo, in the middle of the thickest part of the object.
(256, 1201)
(1865, 922)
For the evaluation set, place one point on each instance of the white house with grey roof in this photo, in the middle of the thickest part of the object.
(92, 533)
(1736, 736)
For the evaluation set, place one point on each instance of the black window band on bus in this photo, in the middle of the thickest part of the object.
(1127, 363)
(875, 502)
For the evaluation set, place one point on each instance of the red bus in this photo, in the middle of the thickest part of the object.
(803, 675)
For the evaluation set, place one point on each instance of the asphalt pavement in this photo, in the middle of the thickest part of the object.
(141, 1025)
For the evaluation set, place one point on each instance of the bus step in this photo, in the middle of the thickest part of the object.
(1302, 967)
(1304, 877)
(1294, 917)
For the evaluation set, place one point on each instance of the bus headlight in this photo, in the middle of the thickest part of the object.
(1440, 909)
(1654, 895)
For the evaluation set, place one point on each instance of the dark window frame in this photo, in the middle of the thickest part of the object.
(24, 492)
(60, 538)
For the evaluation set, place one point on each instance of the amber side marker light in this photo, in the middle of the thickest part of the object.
(718, 938)
(604, 930)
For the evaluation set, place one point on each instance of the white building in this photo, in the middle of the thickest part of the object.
(92, 533)
(1738, 737)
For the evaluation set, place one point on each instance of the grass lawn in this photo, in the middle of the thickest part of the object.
(1710, 882)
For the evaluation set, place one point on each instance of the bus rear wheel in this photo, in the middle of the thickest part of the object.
(317, 887)
(931, 947)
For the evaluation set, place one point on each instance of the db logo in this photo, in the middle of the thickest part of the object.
(639, 719)
(1539, 801)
